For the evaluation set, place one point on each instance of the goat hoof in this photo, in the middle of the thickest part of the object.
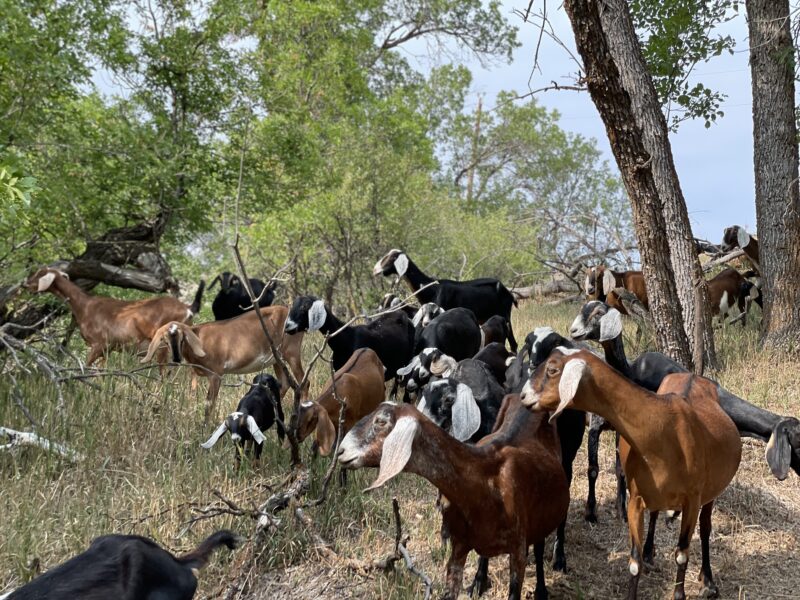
(590, 515)
(540, 594)
(478, 587)
(647, 558)
(560, 564)
(679, 595)
(710, 591)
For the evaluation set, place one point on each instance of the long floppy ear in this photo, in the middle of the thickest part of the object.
(401, 264)
(742, 237)
(317, 315)
(586, 284)
(568, 386)
(396, 450)
(466, 414)
(610, 325)
(418, 316)
(194, 342)
(422, 406)
(403, 371)
(215, 436)
(254, 430)
(441, 365)
(155, 343)
(45, 281)
(325, 433)
(779, 452)
(609, 282)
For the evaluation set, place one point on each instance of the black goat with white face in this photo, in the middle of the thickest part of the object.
(123, 567)
(465, 403)
(233, 300)
(254, 414)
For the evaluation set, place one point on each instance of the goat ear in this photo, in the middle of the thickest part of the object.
(254, 430)
(422, 406)
(325, 433)
(401, 264)
(610, 325)
(396, 450)
(45, 281)
(215, 436)
(154, 343)
(316, 315)
(779, 452)
(742, 237)
(442, 364)
(194, 342)
(609, 282)
(466, 414)
(403, 371)
(418, 316)
(568, 386)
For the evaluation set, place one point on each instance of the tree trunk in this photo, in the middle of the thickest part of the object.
(622, 90)
(772, 62)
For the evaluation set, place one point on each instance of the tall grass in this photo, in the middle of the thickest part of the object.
(143, 472)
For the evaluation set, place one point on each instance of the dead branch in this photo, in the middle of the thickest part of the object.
(26, 438)
(725, 258)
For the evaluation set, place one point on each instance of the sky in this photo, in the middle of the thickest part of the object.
(715, 166)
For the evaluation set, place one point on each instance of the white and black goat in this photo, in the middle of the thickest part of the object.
(255, 413)
(391, 336)
(126, 566)
(485, 297)
(233, 300)
(737, 237)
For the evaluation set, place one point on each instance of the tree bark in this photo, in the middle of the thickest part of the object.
(772, 62)
(617, 78)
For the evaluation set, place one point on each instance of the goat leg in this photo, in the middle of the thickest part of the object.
(541, 588)
(622, 491)
(649, 543)
(481, 581)
(517, 561)
(559, 557)
(688, 524)
(635, 529)
(455, 570)
(710, 589)
(593, 441)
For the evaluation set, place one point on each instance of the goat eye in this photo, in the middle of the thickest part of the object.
(552, 371)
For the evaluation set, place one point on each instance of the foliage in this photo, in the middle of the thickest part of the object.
(676, 36)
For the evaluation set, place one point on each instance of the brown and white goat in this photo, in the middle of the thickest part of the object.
(110, 324)
(503, 494)
(360, 385)
(737, 237)
(727, 294)
(600, 283)
(235, 345)
(678, 448)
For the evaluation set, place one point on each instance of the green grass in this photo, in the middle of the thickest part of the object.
(143, 472)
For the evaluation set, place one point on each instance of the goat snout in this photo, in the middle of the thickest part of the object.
(290, 326)
(528, 396)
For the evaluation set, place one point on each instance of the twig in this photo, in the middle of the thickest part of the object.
(723, 259)
(26, 438)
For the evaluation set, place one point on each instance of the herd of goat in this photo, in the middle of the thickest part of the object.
(496, 430)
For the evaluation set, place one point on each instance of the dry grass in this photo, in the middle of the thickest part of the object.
(145, 473)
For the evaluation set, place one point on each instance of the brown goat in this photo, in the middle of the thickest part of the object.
(678, 448)
(503, 494)
(737, 237)
(235, 345)
(726, 291)
(110, 324)
(360, 384)
(600, 283)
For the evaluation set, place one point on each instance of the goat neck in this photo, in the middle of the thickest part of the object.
(67, 290)
(416, 279)
(614, 350)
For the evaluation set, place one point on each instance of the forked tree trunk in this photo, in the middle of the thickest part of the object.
(622, 90)
(772, 62)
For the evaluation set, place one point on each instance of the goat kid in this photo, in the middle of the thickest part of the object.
(504, 494)
(126, 566)
(254, 414)
(360, 385)
(110, 324)
(678, 448)
(235, 345)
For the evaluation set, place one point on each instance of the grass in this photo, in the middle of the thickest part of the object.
(144, 473)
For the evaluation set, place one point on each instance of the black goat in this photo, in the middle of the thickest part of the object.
(497, 358)
(125, 567)
(391, 336)
(232, 299)
(392, 302)
(571, 423)
(485, 297)
(254, 414)
(455, 332)
(496, 329)
(465, 403)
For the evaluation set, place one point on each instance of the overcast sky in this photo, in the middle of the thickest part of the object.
(715, 165)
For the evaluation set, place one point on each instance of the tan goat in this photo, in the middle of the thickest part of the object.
(678, 448)
(110, 324)
(235, 345)
(360, 385)
(600, 283)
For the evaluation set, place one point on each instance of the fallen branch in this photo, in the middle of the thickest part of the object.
(725, 258)
(26, 438)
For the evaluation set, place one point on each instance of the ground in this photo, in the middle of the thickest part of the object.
(143, 472)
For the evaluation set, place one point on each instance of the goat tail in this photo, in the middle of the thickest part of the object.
(198, 298)
(198, 558)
